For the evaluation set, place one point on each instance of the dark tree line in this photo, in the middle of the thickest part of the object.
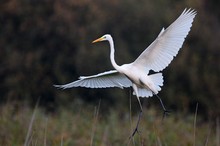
(49, 42)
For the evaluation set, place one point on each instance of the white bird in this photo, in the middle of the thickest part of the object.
(155, 57)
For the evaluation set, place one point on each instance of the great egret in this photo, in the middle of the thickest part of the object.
(156, 57)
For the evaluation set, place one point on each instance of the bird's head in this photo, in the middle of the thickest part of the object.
(103, 38)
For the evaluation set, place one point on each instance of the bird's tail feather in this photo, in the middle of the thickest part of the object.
(157, 79)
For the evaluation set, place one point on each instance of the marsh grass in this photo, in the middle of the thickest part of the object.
(89, 126)
(96, 113)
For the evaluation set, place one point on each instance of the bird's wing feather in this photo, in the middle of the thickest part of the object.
(102, 80)
(166, 46)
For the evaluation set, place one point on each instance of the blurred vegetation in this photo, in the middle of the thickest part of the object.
(83, 127)
(49, 42)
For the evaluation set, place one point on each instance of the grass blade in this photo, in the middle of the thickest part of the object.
(26, 143)
(96, 113)
(194, 125)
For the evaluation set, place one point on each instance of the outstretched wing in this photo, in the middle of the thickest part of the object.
(166, 46)
(103, 80)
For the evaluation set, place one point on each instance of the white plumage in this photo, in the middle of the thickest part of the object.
(103, 80)
(166, 46)
(156, 57)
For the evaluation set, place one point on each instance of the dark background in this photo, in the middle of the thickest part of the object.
(49, 42)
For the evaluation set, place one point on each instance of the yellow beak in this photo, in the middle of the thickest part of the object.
(98, 40)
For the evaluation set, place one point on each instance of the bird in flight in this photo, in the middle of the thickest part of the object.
(156, 57)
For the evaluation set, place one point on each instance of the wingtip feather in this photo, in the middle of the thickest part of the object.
(59, 87)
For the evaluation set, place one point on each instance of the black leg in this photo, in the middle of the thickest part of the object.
(165, 112)
(136, 128)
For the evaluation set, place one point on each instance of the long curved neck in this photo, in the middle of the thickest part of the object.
(112, 55)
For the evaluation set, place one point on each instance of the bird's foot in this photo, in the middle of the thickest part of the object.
(137, 125)
(134, 132)
(166, 113)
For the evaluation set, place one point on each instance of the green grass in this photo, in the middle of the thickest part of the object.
(86, 125)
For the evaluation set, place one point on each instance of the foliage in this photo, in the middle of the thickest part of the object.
(49, 42)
